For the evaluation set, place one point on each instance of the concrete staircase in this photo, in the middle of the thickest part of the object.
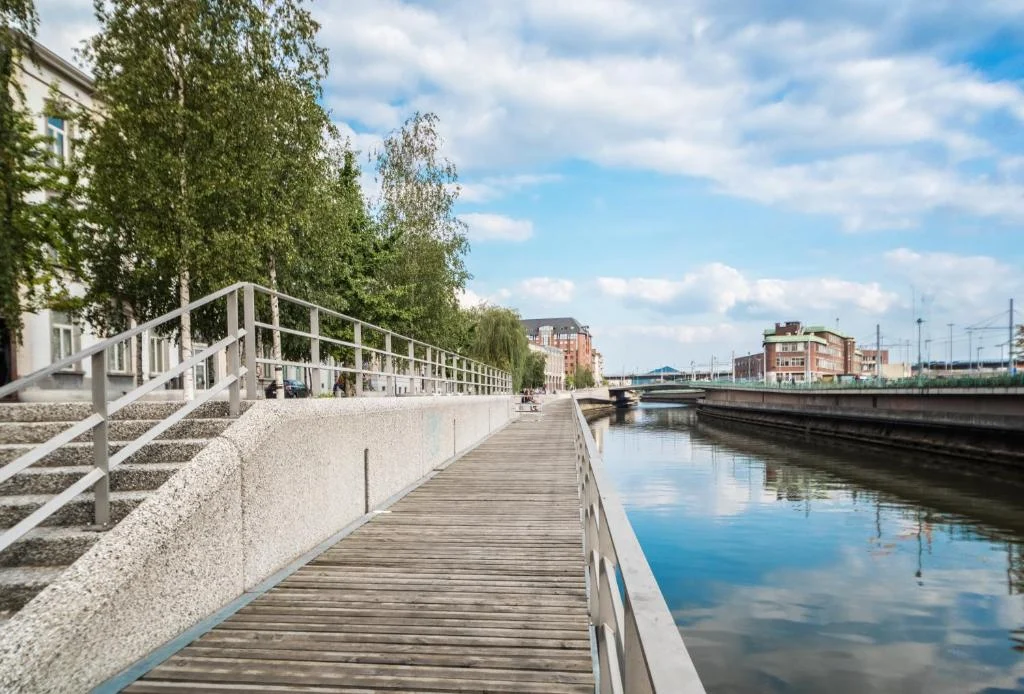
(37, 559)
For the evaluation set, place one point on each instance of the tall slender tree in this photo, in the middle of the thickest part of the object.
(415, 212)
(202, 159)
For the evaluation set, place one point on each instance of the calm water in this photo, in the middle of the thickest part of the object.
(793, 568)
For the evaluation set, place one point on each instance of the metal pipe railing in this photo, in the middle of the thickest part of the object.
(639, 647)
(239, 347)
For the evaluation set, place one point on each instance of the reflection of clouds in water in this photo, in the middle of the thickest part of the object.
(808, 582)
(860, 626)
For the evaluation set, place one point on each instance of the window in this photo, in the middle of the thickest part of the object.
(158, 355)
(118, 358)
(62, 336)
(56, 133)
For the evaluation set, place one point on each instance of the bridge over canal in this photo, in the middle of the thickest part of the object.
(442, 543)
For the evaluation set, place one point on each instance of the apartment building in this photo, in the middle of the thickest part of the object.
(47, 335)
(597, 366)
(568, 335)
(554, 366)
(797, 353)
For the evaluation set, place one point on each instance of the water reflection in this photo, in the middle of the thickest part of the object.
(804, 568)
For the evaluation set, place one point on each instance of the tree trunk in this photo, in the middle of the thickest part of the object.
(275, 320)
(184, 298)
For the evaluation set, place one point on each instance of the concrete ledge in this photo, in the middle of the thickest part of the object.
(987, 439)
(283, 478)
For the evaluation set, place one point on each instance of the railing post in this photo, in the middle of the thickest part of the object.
(234, 364)
(100, 445)
(389, 368)
(430, 373)
(412, 368)
(314, 350)
(357, 339)
(249, 323)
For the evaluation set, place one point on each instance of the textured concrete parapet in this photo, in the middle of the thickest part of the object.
(283, 478)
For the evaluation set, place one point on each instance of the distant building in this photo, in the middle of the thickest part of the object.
(597, 366)
(554, 366)
(797, 353)
(660, 375)
(749, 368)
(568, 335)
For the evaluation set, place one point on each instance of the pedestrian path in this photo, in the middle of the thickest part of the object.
(472, 582)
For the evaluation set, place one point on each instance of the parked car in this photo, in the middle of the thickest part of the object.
(292, 389)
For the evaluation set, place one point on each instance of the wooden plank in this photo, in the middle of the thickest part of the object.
(475, 581)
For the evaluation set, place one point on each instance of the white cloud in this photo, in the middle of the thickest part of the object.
(816, 111)
(547, 289)
(719, 288)
(496, 227)
(959, 287)
(470, 299)
(493, 188)
(848, 109)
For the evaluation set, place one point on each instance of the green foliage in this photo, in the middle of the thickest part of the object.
(583, 378)
(497, 338)
(533, 371)
(208, 155)
(35, 242)
(416, 220)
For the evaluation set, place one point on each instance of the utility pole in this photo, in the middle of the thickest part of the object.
(1010, 366)
(919, 322)
(733, 366)
(949, 362)
(878, 351)
(970, 351)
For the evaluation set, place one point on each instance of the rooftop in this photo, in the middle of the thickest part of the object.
(560, 325)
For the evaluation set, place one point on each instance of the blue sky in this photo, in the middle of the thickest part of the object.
(681, 174)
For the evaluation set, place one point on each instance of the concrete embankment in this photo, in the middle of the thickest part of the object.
(284, 478)
(981, 424)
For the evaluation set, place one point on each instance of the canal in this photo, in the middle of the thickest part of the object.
(795, 566)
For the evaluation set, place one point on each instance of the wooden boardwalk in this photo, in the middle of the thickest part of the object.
(474, 582)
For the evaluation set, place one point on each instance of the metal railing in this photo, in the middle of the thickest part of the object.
(639, 648)
(426, 369)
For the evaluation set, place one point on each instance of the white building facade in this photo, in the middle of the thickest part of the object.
(47, 335)
(554, 366)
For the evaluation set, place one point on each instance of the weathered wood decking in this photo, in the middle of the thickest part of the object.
(473, 582)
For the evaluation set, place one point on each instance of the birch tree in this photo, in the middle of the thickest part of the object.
(198, 164)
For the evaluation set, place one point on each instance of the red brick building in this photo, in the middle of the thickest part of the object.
(565, 333)
(749, 368)
(798, 353)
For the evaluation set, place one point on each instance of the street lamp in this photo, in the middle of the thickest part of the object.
(919, 322)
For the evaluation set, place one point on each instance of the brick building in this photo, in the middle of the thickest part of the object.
(795, 352)
(565, 333)
(749, 368)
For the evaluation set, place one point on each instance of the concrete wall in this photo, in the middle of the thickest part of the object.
(285, 477)
(996, 401)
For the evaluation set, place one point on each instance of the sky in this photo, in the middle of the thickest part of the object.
(680, 175)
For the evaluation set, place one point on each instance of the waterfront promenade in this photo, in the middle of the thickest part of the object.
(475, 581)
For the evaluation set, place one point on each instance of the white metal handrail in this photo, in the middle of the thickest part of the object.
(448, 373)
(639, 647)
(427, 369)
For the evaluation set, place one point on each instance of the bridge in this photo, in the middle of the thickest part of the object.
(232, 543)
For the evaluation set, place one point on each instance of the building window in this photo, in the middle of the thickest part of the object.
(63, 336)
(159, 349)
(56, 133)
(117, 358)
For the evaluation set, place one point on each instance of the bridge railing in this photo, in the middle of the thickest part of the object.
(379, 357)
(639, 647)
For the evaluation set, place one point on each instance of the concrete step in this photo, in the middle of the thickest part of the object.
(77, 411)
(78, 511)
(53, 480)
(21, 584)
(50, 546)
(120, 430)
(71, 454)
